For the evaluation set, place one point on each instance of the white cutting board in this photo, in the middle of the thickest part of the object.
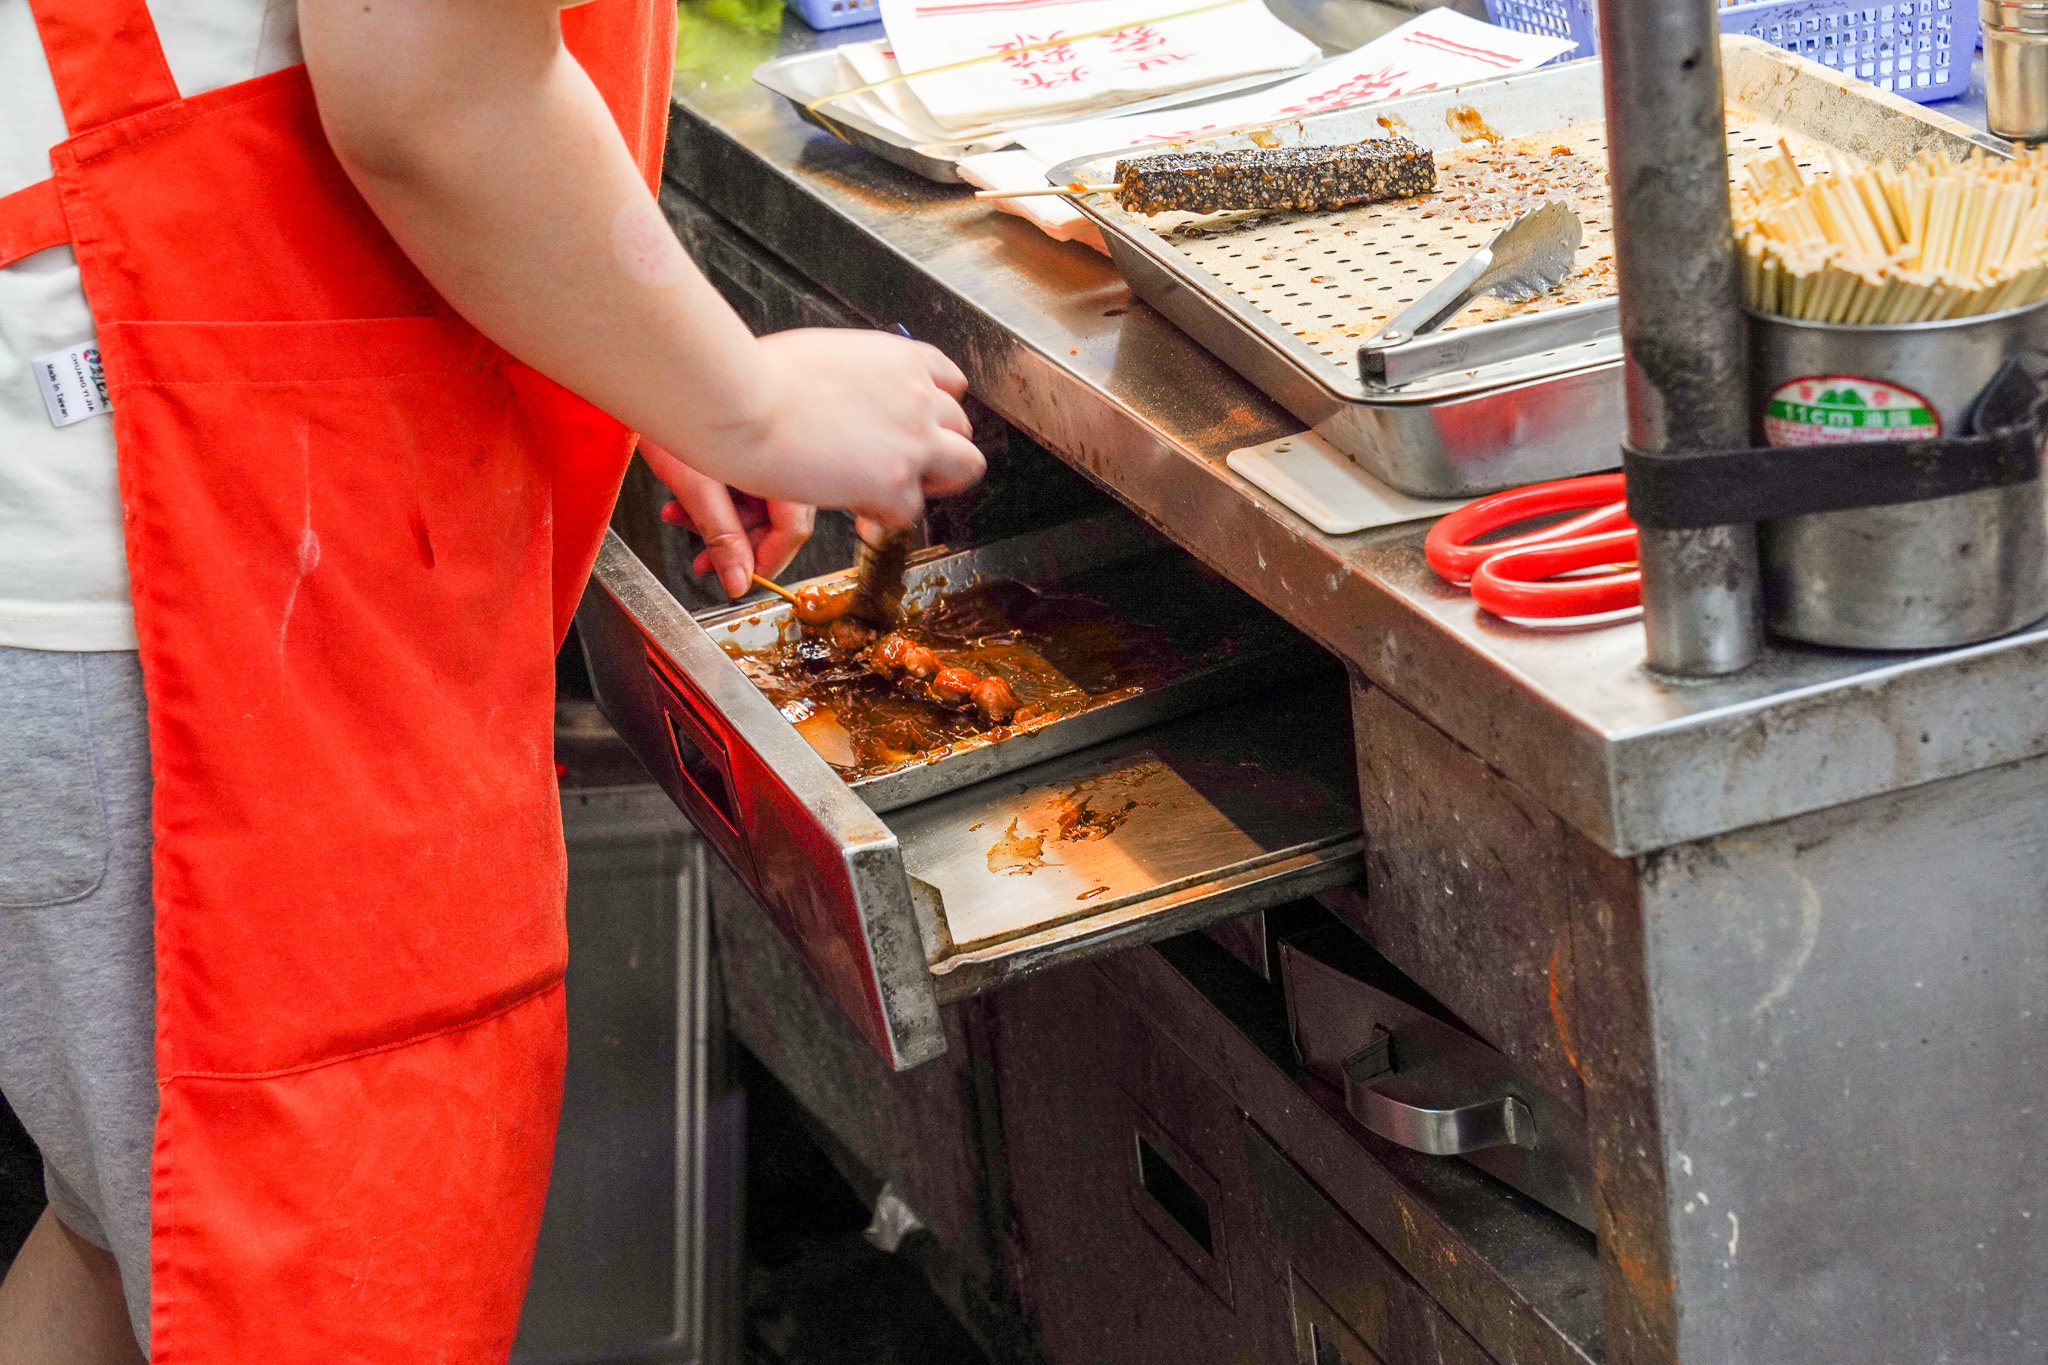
(1321, 483)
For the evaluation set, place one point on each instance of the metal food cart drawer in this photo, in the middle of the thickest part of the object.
(1416, 1080)
(1121, 825)
(1347, 1302)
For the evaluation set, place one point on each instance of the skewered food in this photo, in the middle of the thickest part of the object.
(823, 603)
(886, 658)
(953, 686)
(972, 666)
(1301, 177)
(993, 698)
(848, 635)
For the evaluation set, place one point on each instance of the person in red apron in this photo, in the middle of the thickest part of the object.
(376, 333)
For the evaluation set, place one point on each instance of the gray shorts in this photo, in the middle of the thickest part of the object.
(77, 942)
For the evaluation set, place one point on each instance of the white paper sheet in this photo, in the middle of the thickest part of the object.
(1435, 49)
(1141, 48)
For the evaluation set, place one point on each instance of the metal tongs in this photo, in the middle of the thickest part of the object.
(1528, 257)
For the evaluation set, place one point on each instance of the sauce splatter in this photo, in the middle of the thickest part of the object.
(1016, 853)
(1466, 122)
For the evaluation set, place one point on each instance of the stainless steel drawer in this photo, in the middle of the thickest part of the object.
(1414, 1078)
(909, 892)
(1348, 1303)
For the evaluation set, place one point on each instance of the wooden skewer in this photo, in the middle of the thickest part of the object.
(774, 587)
(1072, 187)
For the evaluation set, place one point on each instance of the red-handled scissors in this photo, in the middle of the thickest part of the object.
(1518, 576)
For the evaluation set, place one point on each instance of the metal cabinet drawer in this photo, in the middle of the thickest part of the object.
(1411, 1076)
(1349, 1304)
(909, 890)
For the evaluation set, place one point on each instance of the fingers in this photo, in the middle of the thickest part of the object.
(955, 464)
(951, 416)
(727, 551)
(943, 371)
(789, 526)
(899, 510)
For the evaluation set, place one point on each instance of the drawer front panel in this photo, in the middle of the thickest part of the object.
(1411, 1077)
(1347, 1303)
(1136, 1236)
(1472, 889)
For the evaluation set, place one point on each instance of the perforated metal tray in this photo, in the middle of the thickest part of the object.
(1286, 298)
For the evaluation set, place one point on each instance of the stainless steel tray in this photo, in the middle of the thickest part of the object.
(992, 870)
(1113, 560)
(1541, 413)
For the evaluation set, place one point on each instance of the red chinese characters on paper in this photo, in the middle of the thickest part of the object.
(1367, 85)
(1144, 48)
(1142, 38)
(1040, 61)
(1035, 49)
(1052, 80)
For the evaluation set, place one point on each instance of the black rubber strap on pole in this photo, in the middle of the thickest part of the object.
(1728, 487)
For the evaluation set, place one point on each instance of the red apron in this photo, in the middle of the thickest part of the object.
(356, 530)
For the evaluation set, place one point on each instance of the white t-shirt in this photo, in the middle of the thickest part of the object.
(63, 568)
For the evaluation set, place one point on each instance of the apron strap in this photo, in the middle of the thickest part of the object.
(31, 220)
(105, 58)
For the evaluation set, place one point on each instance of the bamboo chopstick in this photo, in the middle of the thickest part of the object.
(1932, 239)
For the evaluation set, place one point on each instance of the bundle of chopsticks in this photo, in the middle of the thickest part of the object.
(1878, 244)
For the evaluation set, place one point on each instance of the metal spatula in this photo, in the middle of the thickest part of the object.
(1528, 257)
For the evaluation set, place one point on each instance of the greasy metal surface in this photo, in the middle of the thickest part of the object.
(1177, 827)
(1347, 1303)
(1532, 938)
(1042, 558)
(1257, 267)
(1286, 300)
(1136, 1238)
(1521, 1280)
(935, 1134)
(1681, 311)
(825, 864)
(1849, 1024)
(1167, 830)
(1946, 571)
(1339, 1001)
(1051, 337)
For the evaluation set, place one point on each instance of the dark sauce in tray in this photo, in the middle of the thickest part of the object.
(1061, 652)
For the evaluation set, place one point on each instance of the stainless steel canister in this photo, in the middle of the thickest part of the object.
(1919, 575)
(2015, 67)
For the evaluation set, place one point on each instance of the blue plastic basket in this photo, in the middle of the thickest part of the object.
(823, 14)
(1920, 49)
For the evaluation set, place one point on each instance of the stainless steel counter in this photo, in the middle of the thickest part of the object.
(1051, 339)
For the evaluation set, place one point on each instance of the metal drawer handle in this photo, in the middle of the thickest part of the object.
(1504, 1122)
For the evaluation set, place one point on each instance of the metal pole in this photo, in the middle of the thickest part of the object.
(1681, 318)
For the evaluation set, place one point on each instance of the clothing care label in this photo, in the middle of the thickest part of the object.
(73, 384)
(1824, 409)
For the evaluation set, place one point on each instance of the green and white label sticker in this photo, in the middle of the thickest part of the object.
(1830, 408)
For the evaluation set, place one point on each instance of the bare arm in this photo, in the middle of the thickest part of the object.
(490, 156)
